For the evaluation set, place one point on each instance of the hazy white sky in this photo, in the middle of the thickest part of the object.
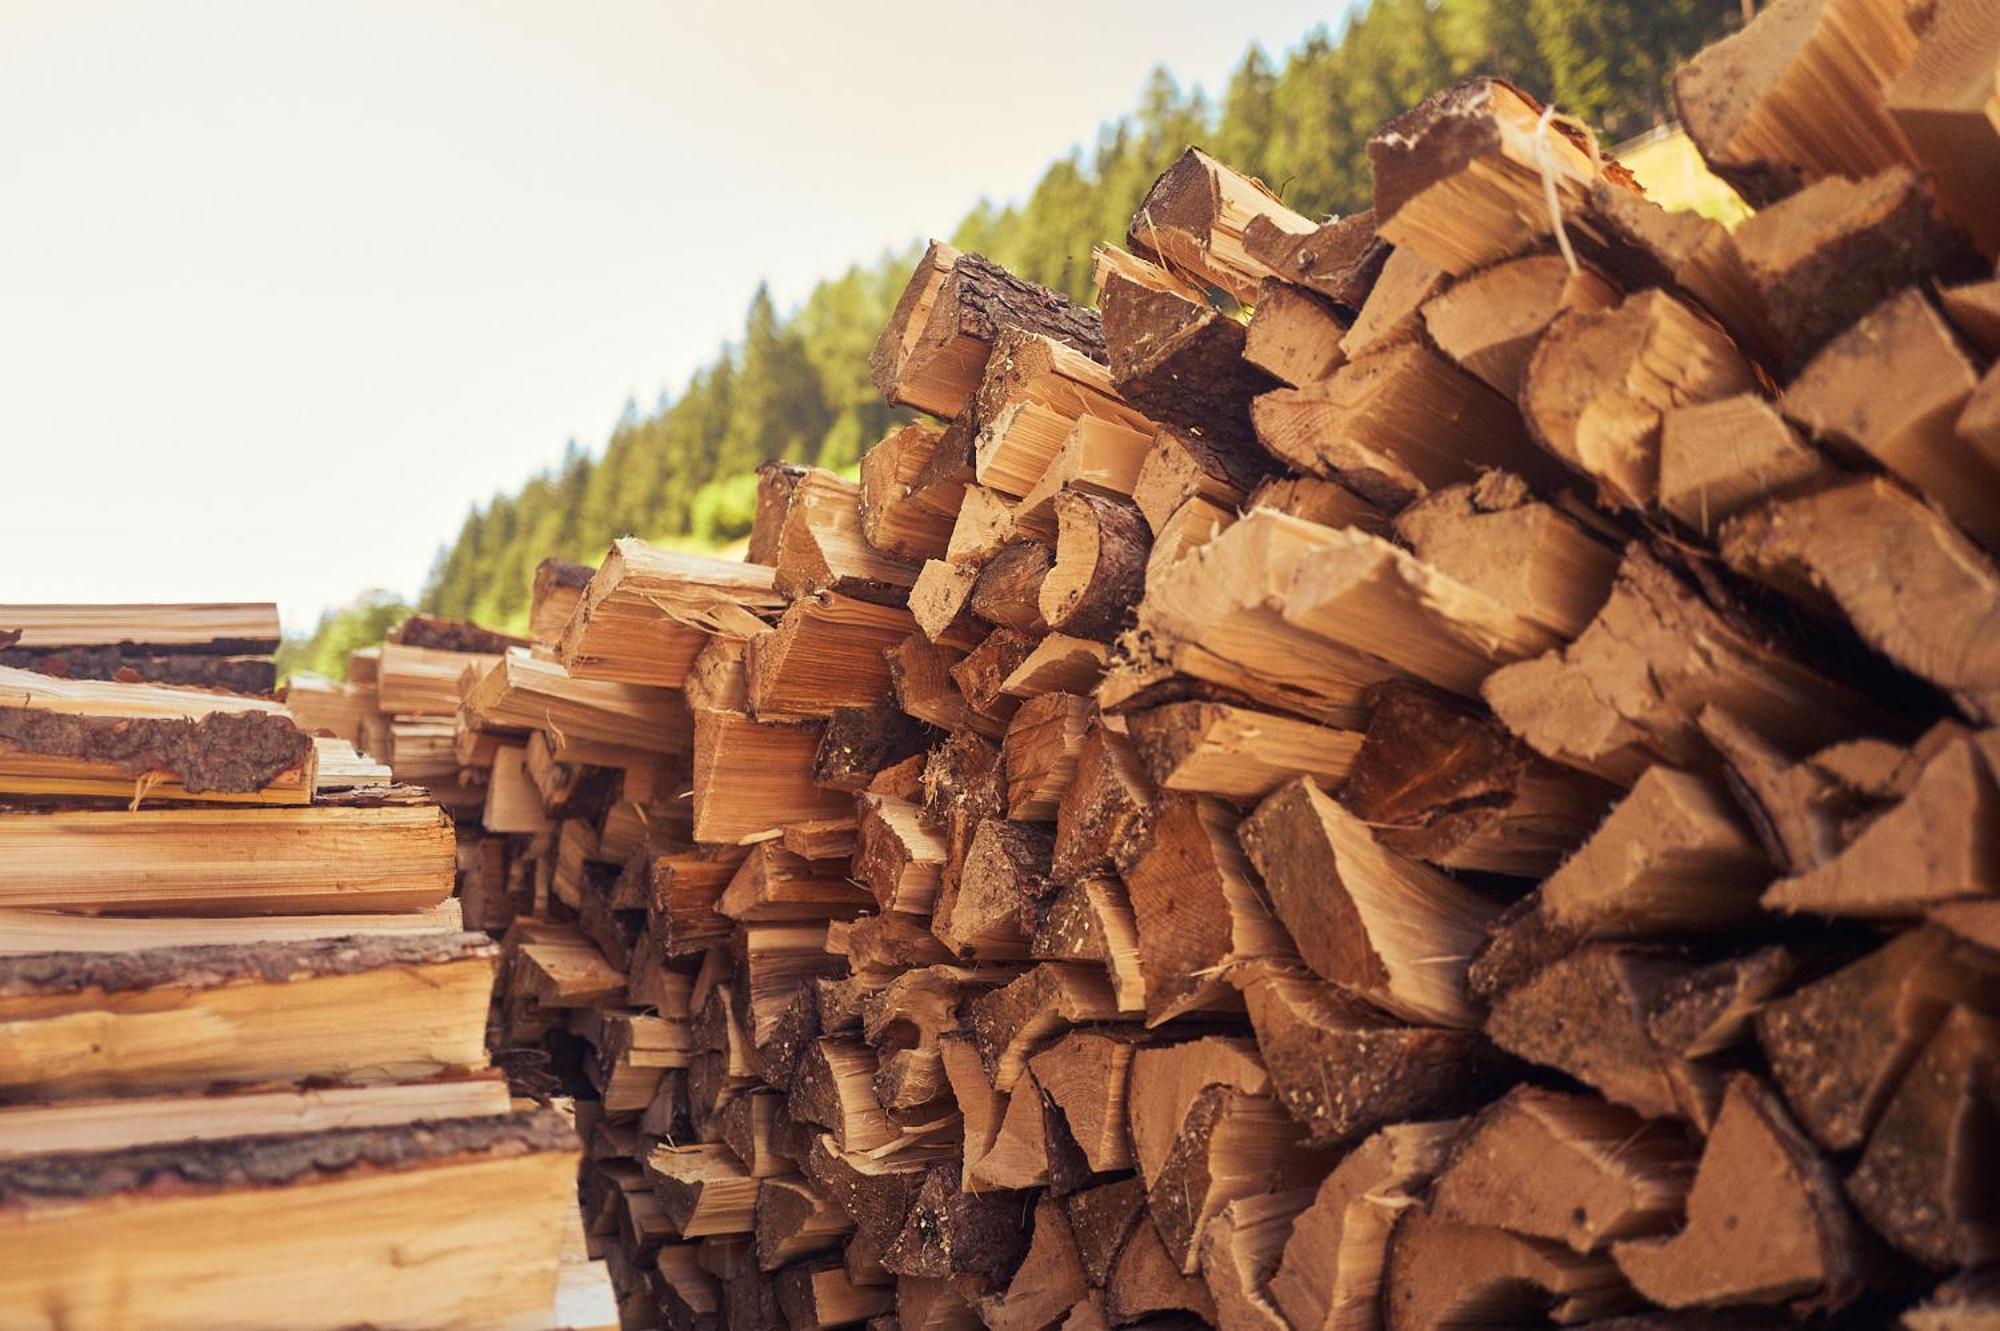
(285, 287)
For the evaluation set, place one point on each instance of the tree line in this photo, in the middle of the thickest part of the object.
(797, 387)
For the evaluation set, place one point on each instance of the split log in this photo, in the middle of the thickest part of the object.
(1180, 466)
(1838, 1046)
(1628, 692)
(1378, 600)
(1974, 310)
(1092, 920)
(1050, 1280)
(980, 914)
(1570, 1168)
(1170, 1078)
(1585, 1013)
(1146, 1282)
(1030, 367)
(1100, 565)
(1085, 1075)
(1442, 782)
(1461, 178)
(1943, 102)
(1494, 537)
(703, 1189)
(934, 349)
(1230, 1146)
(1102, 1219)
(1193, 218)
(774, 884)
(1330, 1275)
(647, 612)
(1441, 1274)
(1906, 342)
(1007, 591)
(920, 676)
(901, 517)
(1797, 95)
(1920, 593)
(1760, 1177)
(1393, 312)
(820, 1293)
(860, 742)
(1198, 911)
(1058, 663)
(1673, 857)
(750, 777)
(1711, 1008)
(1389, 929)
(1010, 1023)
(1926, 850)
(1919, 1182)
(1294, 334)
(1043, 743)
(1340, 259)
(1489, 322)
(952, 1232)
(1830, 253)
(1240, 1249)
(1722, 457)
(825, 652)
(1237, 753)
(1173, 355)
(1395, 425)
(1104, 809)
(793, 1220)
(1600, 382)
(1342, 1070)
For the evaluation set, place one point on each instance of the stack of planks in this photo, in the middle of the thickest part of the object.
(243, 1069)
(1468, 798)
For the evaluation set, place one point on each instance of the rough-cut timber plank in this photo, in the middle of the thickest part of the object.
(214, 628)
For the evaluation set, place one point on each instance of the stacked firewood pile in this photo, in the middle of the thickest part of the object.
(243, 1068)
(1464, 797)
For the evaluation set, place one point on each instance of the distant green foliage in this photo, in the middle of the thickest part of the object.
(362, 622)
(798, 387)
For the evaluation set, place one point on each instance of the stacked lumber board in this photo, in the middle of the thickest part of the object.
(212, 646)
(243, 1068)
(1467, 798)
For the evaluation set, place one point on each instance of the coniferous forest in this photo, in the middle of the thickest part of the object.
(796, 386)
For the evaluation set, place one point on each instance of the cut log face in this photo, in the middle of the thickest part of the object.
(1906, 342)
(1838, 1047)
(1294, 335)
(1565, 1167)
(1797, 96)
(1673, 857)
(1198, 911)
(1343, 1070)
(1920, 1181)
(1928, 850)
(1442, 1274)
(1585, 1013)
(1173, 355)
(1237, 753)
(1489, 322)
(1180, 466)
(935, 347)
(1600, 382)
(1383, 927)
(1330, 1275)
(1170, 1078)
(1085, 1075)
(1921, 594)
(1719, 458)
(1442, 782)
(1393, 312)
(1766, 1222)
(1340, 259)
(1943, 104)
(1398, 423)
(1493, 536)
(1230, 1146)
(1830, 253)
(1194, 218)
(1629, 692)
(1461, 178)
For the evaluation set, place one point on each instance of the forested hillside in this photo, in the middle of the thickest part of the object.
(796, 386)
